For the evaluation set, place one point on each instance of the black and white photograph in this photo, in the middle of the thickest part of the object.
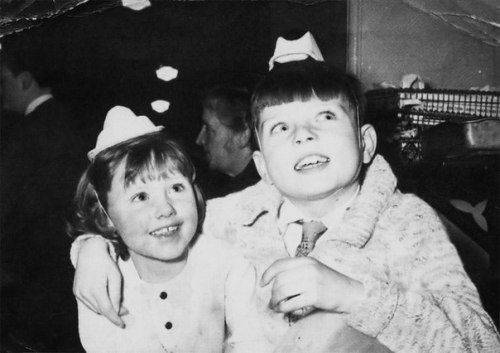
(285, 176)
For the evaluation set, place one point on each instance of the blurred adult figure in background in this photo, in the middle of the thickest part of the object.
(227, 140)
(41, 159)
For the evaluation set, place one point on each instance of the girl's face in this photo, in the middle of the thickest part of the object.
(156, 217)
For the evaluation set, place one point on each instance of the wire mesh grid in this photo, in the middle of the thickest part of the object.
(419, 110)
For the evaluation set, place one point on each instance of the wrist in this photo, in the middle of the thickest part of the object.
(355, 292)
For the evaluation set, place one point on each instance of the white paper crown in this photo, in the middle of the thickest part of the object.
(121, 124)
(295, 50)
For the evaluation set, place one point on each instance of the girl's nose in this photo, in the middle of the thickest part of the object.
(201, 137)
(303, 134)
(164, 208)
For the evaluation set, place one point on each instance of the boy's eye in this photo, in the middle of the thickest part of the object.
(327, 116)
(279, 128)
(140, 197)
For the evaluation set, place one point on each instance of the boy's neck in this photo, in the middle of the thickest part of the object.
(155, 270)
(319, 207)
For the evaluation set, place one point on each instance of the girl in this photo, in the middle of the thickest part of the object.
(183, 292)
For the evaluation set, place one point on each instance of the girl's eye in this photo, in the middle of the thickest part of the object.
(140, 197)
(279, 128)
(176, 188)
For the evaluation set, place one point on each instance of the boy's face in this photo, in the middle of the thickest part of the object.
(155, 218)
(312, 150)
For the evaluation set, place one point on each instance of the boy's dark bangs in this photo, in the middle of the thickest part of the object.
(295, 89)
(301, 83)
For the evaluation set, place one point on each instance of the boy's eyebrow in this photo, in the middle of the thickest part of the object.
(344, 106)
(263, 123)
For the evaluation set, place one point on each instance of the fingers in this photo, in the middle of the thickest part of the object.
(282, 265)
(287, 286)
(291, 297)
(109, 312)
(100, 303)
(115, 289)
(110, 303)
(101, 306)
(87, 301)
(295, 304)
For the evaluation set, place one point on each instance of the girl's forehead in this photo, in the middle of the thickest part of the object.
(147, 172)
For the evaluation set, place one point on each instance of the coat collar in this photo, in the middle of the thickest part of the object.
(359, 220)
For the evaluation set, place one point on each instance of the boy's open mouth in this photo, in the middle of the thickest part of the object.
(165, 231)
(311, 162)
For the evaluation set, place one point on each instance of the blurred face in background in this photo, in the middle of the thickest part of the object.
(218, 141)
(11, 90)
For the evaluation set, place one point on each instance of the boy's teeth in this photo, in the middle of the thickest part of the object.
(164, 231)
(310, 162)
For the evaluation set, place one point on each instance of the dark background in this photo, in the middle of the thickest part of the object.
(110, 56)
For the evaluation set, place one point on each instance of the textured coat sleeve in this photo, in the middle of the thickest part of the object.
(429, 304)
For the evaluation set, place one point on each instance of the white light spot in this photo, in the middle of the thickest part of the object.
(166, 73)
(136, 5)
(160, 106)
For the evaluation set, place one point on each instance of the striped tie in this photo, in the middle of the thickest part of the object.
(311, 231)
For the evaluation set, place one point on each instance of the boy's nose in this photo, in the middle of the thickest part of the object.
(303, 134)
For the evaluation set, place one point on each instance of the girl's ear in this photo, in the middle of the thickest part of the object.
(368, 142)
(260, 164)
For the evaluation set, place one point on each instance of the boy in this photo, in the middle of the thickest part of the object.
(382, 263)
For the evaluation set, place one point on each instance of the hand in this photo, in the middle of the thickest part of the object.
(304, 281)
(98, 280)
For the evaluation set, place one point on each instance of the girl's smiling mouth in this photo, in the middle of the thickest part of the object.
(165, 231)
(311, 161)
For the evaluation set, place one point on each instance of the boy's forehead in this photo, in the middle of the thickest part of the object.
(303, 107)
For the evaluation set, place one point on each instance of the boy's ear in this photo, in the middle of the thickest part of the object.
(368, 142)
(260, 164)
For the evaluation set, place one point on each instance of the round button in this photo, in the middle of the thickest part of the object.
(163, 295)
(168, 325)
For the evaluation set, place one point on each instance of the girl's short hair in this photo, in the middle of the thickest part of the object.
(145, 156)
(301, 81)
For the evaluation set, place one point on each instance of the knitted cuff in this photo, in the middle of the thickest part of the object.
(77, 244)
(376, 310)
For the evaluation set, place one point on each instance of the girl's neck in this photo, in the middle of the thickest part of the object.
(156, 271)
